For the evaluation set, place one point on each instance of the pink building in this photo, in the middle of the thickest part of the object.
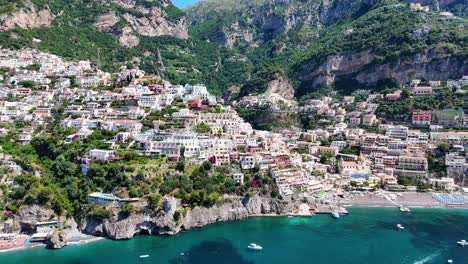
(422, 117)
(421, 90)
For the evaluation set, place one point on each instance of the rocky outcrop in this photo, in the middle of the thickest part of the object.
(28, 216)
(106, 21)
(281, 87)
(235, 33)
(56, 240)
(27, 17)
(162, 222)
(152, 21)
(128, 39)
(362, 67)
(320, 73)
(155, 23)
(263, 20)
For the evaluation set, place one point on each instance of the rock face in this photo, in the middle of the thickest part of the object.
(139, 19)
(56, 240)
(128, 39)
(30, 215)
(264, 20)
(276, 105)
(27, 17)
(428, 65)
(281, 87)
(106, 21)
(163, 222)
(154, 24)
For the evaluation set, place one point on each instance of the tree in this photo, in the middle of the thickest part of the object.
(206, 165)
(405, 93)
(180, 166)
(62, 168)
(202, 128)
(324, 158)
(443, 148)
(404, 181)
(100, 213)
(127, 208)
(182, 152)
(178, 215)
(154, 199)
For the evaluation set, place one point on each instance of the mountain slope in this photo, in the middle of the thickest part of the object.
(149, 33)
(243, 45)
(342, 43)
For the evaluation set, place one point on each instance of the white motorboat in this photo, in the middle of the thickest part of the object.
(462, 242)
(404, 209)
(400, 227)
(335, 215)
(254, 246)
(144, 256)
(449, 261)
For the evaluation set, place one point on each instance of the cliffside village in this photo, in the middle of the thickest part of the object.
(338, 156)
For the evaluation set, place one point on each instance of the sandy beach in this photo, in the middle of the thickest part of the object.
(409, 199)
(84, 240)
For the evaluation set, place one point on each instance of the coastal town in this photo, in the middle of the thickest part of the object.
(354, 156)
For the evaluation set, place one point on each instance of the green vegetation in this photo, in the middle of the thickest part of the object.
(390, 31)
(99, 212)
(27, 84)
(202, 128)
(442, 98)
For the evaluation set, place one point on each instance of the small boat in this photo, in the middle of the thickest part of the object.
(144, 256)
(462, 242)
(400, 227)
(404, 209)
(254, 246)
(335, 215)
(449, 261)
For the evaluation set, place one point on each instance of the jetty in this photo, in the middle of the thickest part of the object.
(326, 209)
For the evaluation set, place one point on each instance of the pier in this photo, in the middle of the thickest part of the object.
(326, 209)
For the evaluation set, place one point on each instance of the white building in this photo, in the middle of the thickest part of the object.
(98, 154)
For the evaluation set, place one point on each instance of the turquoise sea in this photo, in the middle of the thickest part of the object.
(184, 3)
(367, 235)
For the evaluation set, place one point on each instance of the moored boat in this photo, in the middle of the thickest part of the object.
(404, 209)
(400, 227)
(462, 242)
(335, 215)
(144, 256)
(253, 246)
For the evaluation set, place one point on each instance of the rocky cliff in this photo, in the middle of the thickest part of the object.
(258, 21)
(28, 216)
(149, 20)
(162, 222)
(362, 68)
(27, 17)
(56, 240)
(127, 19)
(351, 43)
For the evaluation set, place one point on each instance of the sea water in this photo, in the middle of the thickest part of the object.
(366, 235)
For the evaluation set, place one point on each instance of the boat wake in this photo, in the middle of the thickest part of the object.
(427, 259)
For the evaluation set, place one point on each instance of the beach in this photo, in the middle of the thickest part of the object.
(406, 199)
(82, 240)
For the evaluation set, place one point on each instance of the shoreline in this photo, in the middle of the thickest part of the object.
(409, 206)
(368, 204)
(86, 240)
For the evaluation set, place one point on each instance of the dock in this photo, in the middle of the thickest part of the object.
(330, 209)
